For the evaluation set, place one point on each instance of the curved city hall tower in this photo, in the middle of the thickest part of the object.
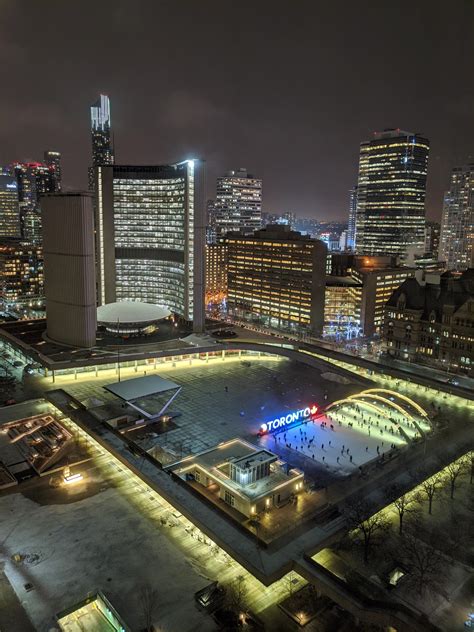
(69, 268)
(150, 233)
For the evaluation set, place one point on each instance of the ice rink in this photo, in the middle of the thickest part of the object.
(350, 435)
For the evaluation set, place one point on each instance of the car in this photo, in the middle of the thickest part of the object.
(18, 363)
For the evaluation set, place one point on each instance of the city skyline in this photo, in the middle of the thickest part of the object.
(290, 131)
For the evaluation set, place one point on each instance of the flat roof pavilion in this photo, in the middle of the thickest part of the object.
(136, 391)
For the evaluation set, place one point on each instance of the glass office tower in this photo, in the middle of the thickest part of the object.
(101, 136)
(9, 207)
(457, 228)
(150, 226)
(34, 180)
(238, 204)
(52, 160)
(391, 190)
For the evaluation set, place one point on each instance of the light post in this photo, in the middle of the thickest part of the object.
(118, 348)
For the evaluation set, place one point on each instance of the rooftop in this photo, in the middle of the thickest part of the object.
(130, 312)
(216, 462)
(128, 390)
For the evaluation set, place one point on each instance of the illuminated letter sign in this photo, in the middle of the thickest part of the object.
(289, 419)
(12, 185)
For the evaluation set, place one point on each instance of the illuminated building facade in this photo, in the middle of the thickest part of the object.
(238, 204)
(52, 159)
(351, 224)
(9, 207)
(432, 237)
(245, 477)
(391, 190)
(357, 290)
(21, 274)
(457, 229)
(276, 277)
(430, 319)
(34, 180)
(216, 274)
(101, 136)
(150, 232)
(342, 306)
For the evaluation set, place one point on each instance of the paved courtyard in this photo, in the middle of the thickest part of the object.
(225, 398)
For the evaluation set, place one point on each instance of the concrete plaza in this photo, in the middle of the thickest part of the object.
(223, 398)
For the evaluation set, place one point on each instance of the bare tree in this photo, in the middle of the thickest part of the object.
(429, 488)
(453, 472)
(470, 465)
(236, 594)
(404, 505)
(369, 525)
(424, 563)
(289, 584)
(148, 602)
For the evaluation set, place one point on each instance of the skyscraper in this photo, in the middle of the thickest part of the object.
(351, 224)
(150, 233)
(52, 160)
(34, 180)
(432, 236)
(69, 268)
(391, 190)
(457, 226)
(101, 134)
(238, 204)
(9, 207)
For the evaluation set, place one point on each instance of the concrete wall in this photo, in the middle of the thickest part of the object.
(69, 268)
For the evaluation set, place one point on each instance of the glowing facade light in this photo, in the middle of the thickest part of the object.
(289, 419)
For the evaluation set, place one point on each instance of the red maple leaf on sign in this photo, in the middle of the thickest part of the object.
(314, 409)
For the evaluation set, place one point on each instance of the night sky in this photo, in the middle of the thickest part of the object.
(288, 90)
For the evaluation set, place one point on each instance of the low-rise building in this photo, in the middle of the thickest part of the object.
(276, 277)
(357, 290)
(430, 319)
(242, 475)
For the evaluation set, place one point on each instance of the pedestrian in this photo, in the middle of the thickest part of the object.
(323, 459)
(322, 446)
(366, 448)
(337, 459)
(350, 458)
(329, 443)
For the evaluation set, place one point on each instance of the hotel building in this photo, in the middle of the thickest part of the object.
(150, 232)
(457, 229)
(276, 277)
(390, 217)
